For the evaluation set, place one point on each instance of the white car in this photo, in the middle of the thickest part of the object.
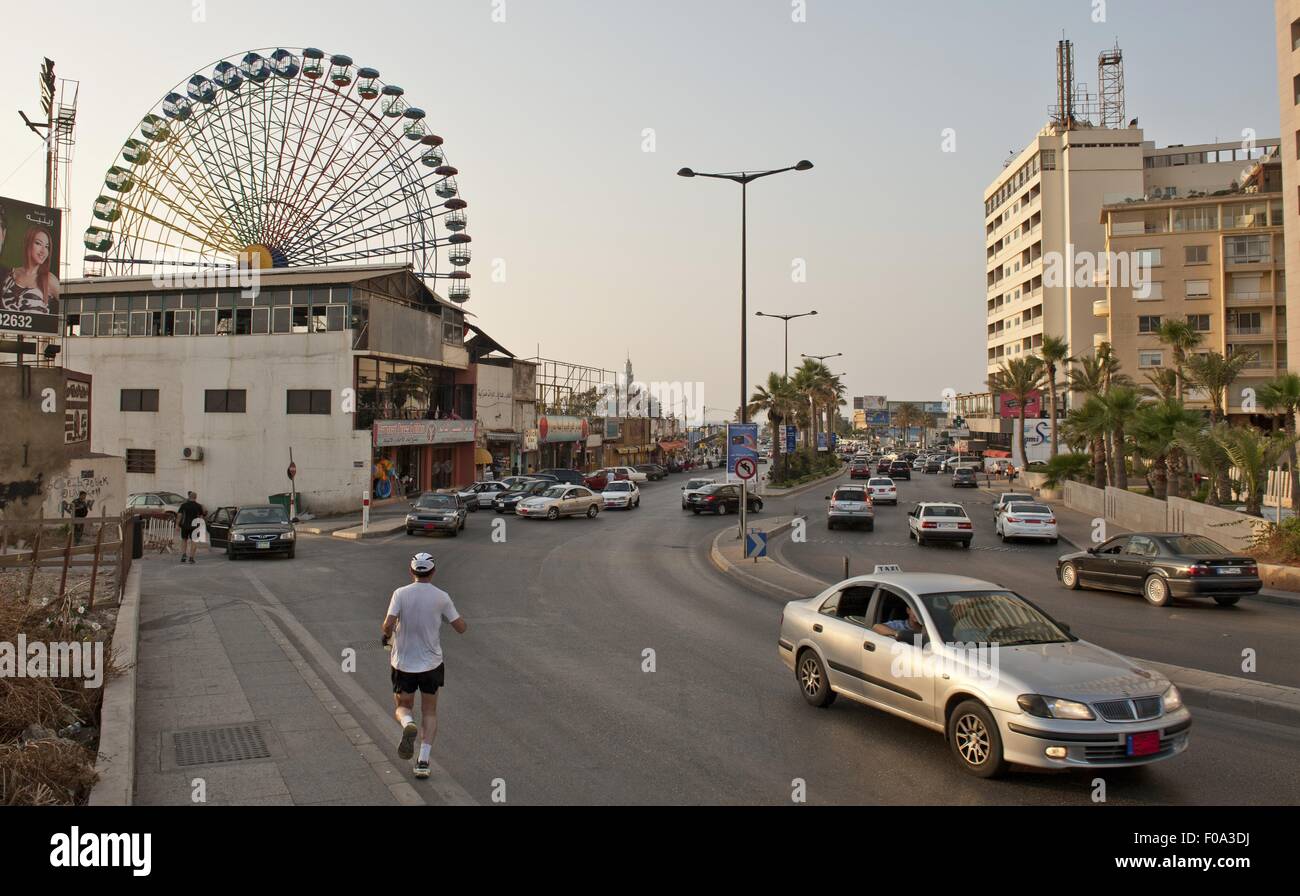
(481, 494)
(621, 494)
(561, 500)
(693, 486)
(1008, 497)
(918, 464)
(932, 521)
(883, 490)
(1027, 520)
(632, 475)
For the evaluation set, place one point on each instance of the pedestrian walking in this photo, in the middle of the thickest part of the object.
(413, 627)
(189, 515)
(80, 510)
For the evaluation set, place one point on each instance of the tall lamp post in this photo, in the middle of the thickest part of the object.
(787, 318)
(744, 178)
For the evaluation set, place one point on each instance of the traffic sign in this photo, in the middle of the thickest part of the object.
(293, 469)
(746, 468)
(755, 544)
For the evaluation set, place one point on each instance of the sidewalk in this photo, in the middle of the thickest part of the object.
(227, 707)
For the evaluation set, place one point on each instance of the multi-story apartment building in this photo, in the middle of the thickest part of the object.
(1042, 233)
(1288, 73)
(1213, 257)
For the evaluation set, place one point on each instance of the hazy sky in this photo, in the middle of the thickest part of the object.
(606, 252)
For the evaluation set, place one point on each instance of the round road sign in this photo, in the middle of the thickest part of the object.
(746, 468)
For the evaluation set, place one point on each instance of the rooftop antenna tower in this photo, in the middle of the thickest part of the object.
(58, 130)
(1063, 113)
(1110, 84)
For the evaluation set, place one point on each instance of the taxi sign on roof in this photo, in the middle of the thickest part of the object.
(886, 567)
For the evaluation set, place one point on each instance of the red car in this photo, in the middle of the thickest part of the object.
(598, 480)
(860, 470)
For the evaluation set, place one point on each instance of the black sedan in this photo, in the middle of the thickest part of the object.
(254, 529)
(721, 498)
(933, 464)
(506, 502)
(653, 472)
(1161, 566)
(900, 469)
(964, 477)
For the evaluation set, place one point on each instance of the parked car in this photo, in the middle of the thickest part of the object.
(850, 505)
(1027, 520)
(481, 493)
(507, 501)
(722, 498)
(560, 500)
(964, 477)
(622, 495)
(252, 529)
(437, 512)
(148, 503)
(630, 473)
(692, 486)
(1031, 694)
(1161, 566)
(653, 472)
(572, 477)
(598, 479)
(937, 521)
(883, 490)
(900, 469)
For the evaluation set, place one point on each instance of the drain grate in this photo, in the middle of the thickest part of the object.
(210, 746)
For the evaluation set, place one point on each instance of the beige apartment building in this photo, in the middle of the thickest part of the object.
(1288, 75)
(1213, 257)
(1043, 235)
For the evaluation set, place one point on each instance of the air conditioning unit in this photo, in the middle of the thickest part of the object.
(192, 452)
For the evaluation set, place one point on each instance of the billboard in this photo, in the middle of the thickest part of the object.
(873, 403)
(1010, 407)
(562, 429)
(29, 262)
(878, 418)
(742, 441)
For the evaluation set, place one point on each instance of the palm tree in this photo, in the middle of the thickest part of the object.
(777, 400)
(1282, 396)
(1201, 444)
(1068, 466)
(1087, 424)
(807, 383)
(906, 416)
(1162, 384)
(1055, 353)
(1121, 405)
(1214, 373)
(1155, 427)
(1253, 454)
(1179, 335)
(1021, 377)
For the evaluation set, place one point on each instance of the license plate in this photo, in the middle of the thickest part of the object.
(949, 526)
(428, 525)
(263, 545)
(1229, 570)
(1144, 744)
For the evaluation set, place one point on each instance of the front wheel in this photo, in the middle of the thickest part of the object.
(592, 511)
(813, 684)
(553, 514)
(723, 509)
(1070, 576)
(974, 738)
(1156, 591)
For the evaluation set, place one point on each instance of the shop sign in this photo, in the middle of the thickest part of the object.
(562, 429)
(390, 433)
(530, 440)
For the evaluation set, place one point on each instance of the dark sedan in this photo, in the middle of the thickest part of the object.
(255, 529)
(1161, 566)
(653, 472)
(933, 464)
(437, 512)
(883, 465)
(569, 477)
(964, 477)
(722, 498)
(900, 469)
(506, 502)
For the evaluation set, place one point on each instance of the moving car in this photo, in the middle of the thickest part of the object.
(860, 469)
(1008, 497)
(630, 473)
(560, 500)
(939, 521)
(597, 480)
(918, 464)
(999, 678)
(653, 472)
(722, 498)
(252, 529)
(933, 464)
(1161, 566)
(507, 501)
(1027, 520)
(883, 465)
(691, 487)
(964, 477)
(621, 494)
(154, 503)
(437, 512)
(883, 490)
(481, 493)
(850, 505)
(900, 469)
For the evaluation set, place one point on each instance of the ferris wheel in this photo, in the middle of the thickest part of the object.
(281, 158)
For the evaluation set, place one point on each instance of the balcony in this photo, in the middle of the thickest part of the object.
(1101, 308)
(1251, 334)
(1254, 298)
(1253, 259)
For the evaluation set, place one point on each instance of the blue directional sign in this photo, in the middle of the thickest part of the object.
(742, 441)
(755, 544)
(790, 434)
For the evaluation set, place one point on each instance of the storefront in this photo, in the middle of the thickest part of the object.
(411, 456)
(562, 440)
(501, 453)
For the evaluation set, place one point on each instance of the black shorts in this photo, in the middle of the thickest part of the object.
(186, 531)
(427, 682)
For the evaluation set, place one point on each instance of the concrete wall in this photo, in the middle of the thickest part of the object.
(1085, 499)
(245, 455)
(102, 478)
(398, 330)
(1137, 512)
(32, 452)
(1231, 529)
(495, 398)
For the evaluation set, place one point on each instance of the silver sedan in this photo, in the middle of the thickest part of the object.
(999, 678)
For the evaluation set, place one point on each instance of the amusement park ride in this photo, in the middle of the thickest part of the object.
(281, 158)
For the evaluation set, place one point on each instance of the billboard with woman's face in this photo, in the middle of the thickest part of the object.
(29, 264)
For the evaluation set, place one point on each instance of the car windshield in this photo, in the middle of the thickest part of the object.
(1194, 544)
(555, 491)
(945, 511)
(619, 487)
(436, 502)
(991, 617)
(699, 483)
(1030, 508)
(255, 515)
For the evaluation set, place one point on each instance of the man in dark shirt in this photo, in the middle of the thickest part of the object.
(190, 513)
(80, 510)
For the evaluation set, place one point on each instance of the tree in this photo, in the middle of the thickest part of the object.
(1214, 373)
(1121, 405)
(1253, 454)
(906, 416)
(1179, 335)
(1021, 377)
(1200, 444)
(1068, 466)
(1155, 427)
(1282, 396)
(1162, 384)
(1086, 424)
(1055, 353)
(777, 399)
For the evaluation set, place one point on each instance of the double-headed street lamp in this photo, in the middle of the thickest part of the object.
(787, 318)
(744, 178)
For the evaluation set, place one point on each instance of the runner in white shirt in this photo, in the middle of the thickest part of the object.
(415, 614)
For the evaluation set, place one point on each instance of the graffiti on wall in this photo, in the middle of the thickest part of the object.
(68, 487)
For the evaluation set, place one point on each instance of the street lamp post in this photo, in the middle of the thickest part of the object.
(787, 318)
(744, 178)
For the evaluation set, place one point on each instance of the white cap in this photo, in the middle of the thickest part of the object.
(422, 564)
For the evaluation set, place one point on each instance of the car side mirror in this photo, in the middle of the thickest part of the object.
(1092, 551)
(1065, 627)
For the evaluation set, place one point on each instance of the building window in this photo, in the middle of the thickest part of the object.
(307, 401)
(140, 460)
(1155, 292)
(1199, 322)
(225, 401)
(1148, 323)
(1196, 254)
(1149, 258)
(139, 400)
(1049, 160)
(1151, 359)
(1197, 289)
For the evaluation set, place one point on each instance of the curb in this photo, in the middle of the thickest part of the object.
(800, 489)
(115, 763)
(374, 530)
(1210, 690)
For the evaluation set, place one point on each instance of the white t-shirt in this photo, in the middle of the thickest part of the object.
(420, 609)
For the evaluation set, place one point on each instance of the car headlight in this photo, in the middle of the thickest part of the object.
(287, 536)
(410, 517)
(1173, 699)
(237, 536)
(1054, 707)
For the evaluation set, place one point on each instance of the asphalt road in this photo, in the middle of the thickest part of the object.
(1195, 633)
(546, 691)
